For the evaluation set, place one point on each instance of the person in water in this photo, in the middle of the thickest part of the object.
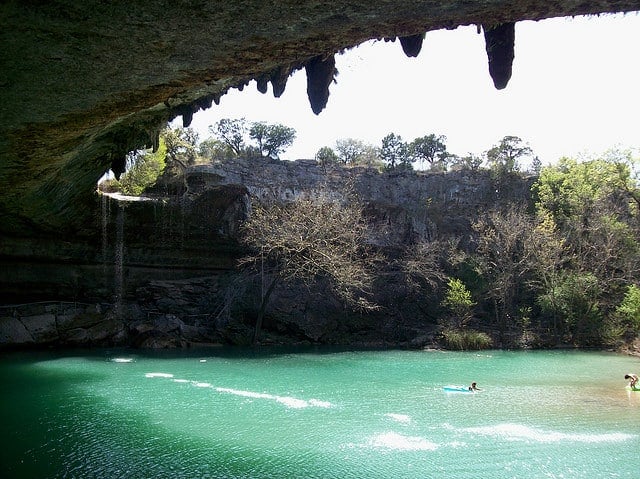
(473, 387)
(633, 380)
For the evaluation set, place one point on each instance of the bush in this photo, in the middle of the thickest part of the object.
(144, 172)
(466, 339)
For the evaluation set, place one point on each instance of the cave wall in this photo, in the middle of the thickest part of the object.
(82, 83)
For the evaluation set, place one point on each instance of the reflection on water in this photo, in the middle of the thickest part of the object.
(317, 413)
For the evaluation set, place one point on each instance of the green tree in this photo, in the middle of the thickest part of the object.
(592, 203)
(271, 139)
(308, 239)
(349, 150)
(459, 303)
(395, 152)
(629, 309)
(470, 162)
(212, 149)
(326, 156)
(144, 169)
(505, 157)
(231, 132)
(429, 148)
(576, 297)
(181, 146)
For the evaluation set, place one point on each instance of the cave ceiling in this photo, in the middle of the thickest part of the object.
(84, 82)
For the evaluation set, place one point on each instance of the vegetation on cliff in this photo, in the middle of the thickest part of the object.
(561, 265)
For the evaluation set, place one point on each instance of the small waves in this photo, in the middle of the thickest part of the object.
(519, 432)
(402, 418)
(400, 442)
(287, 401)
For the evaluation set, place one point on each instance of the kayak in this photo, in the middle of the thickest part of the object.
(457, 389)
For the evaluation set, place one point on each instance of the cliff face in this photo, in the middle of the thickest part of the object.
(159, 271)
(83, 83)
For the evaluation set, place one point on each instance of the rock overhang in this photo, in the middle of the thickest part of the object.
(83, 83)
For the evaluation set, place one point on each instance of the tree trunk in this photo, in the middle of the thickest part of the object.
(263, 307)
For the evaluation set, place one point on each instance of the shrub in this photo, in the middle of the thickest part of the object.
(466, 339)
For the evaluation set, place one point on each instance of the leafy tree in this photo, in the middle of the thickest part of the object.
(144, 169)
(470, 162)
(326, 156)
(629, 309)
(429, 148)
(181, 146)
(592, 205)
(549, 254)
(395, 152)
(231, 132)
(306, 240)
(272, 139)
(212, 149)
(350, 150)
(505, 157)
(459, 302)
(577, 298)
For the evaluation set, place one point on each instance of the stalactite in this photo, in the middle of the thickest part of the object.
(205, 102)
(412, 44)
(320, 73)
(118, 165)
(500, 41)
(262, 83)
(187, 116)
(279, 79)
(216, 98)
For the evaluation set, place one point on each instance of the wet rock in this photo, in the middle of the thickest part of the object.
(13, 332)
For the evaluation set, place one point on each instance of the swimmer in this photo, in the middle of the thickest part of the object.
(633, 380)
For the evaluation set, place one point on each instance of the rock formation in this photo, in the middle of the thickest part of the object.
(159, 271)
(83, 83)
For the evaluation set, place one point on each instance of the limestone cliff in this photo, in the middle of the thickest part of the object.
(159, 270)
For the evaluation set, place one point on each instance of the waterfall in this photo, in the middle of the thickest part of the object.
(119, 262)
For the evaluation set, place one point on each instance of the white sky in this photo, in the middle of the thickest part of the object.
(575, 89)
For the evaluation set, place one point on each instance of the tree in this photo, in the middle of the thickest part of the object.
(503, 258)
(181, 146)
(395, 152)
(308, 239)
(592, 204)
(272, 139)
(629, 309)
(349, 150)
(231, 132)
(430, 148)
(470, 162)
(326, 156)
(212, 149)
(459, 302)
(505, 157)
(144, 169)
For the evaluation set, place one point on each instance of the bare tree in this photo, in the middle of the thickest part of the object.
(306, 240)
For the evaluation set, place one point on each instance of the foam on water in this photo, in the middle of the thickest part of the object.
(403, 418)
(519, 432)
(400, 442)
(158, 375)
(288, 401)
(122, 360)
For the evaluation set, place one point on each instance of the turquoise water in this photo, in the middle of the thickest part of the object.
(317, 414)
